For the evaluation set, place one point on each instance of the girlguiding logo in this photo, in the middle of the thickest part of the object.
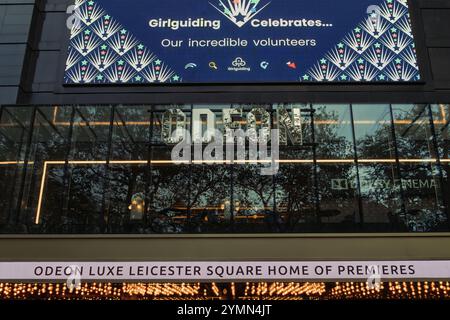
(239, 11)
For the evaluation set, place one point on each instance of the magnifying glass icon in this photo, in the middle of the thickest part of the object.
(213, 65)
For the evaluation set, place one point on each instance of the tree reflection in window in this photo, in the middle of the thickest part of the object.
(361, 168)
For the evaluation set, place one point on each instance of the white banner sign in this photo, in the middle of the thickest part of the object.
(226, 271)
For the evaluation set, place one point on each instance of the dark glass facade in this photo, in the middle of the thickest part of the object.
(106, 170)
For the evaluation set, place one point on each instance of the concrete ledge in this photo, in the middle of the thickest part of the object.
(226, 247)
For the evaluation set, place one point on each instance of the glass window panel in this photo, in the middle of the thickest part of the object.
(338, 209)
(296, 197)
(169, 199)
(91, 133)
(15, 124)
(422, 194)
(413, 131)
(128, 201)
(87, 194)
(252, 207)
(373, 131)
(209, 199)
(420, 175)
(295, 194)
(253, 201)
(131, 133)
(441, 117)
(46, 183)
(333, 131)
(88, 172)
(205, 187)
(380, 196)
(378, 171)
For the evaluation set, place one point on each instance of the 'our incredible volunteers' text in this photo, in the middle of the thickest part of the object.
(238, 42)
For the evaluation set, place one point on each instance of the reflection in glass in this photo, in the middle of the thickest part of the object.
(420, 174)
(336, 170)
(333, 131)
(109, 170)
(380, 195)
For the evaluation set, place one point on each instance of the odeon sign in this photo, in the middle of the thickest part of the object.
(204, 124)
(370, 271)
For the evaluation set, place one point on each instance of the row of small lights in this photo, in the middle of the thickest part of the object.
(166, 289)
(395, 290)
(97, 290)
(59, 291)
(261, 290)
(280, 289)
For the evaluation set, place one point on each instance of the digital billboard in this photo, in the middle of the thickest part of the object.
(240, 41)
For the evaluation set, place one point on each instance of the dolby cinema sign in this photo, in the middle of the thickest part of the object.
(276, 41)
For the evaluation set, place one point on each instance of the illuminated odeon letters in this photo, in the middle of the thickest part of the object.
(243, 136)
(203, 124)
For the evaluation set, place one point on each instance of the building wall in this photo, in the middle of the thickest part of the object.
(15, 22)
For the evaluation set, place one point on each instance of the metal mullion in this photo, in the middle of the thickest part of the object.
(232, 169)
(149, 171)
(315, 168)
(358, 180)
(106, 191)
(397, 160)
(189, 208)
(274, 179)
(67, 176)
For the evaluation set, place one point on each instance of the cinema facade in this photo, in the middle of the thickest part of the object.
(358, 207)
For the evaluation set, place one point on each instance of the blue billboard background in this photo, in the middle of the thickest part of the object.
(140, 42)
